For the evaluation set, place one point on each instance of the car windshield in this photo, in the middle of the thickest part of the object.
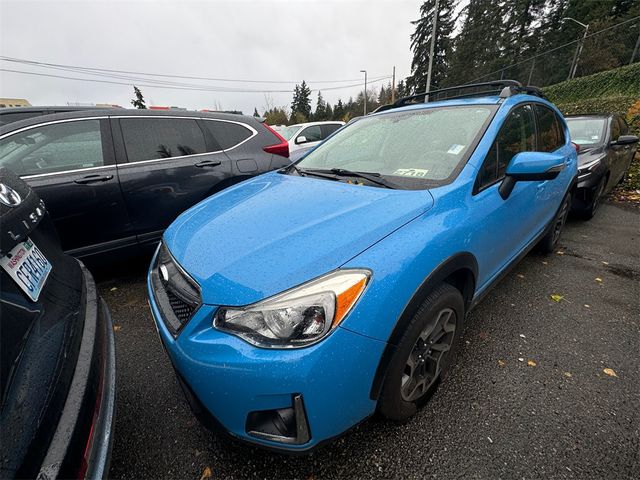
(288, 132)
(586, 131)
(413, 147)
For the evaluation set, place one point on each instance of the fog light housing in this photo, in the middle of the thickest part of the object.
(283, 425)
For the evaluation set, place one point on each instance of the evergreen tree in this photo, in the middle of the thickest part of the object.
(421, 45)
(328, 112)
(301, 100)
(401, 90)
(479, 46)
(138, 102)
(296, 99)
(320, 113)
(338, 111)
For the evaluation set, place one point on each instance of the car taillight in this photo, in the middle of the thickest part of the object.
(281, 148)
(576, 146)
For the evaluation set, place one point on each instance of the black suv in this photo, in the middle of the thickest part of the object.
(114, 179)
(606, 152)
(57, 354)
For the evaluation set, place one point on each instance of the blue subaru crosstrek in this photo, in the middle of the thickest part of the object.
(298, 303)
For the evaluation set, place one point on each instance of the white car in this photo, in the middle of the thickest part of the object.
(307, 135)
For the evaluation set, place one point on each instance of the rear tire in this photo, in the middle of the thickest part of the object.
(550, 240)
(424, 354)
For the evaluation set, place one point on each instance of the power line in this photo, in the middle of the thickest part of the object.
(552, 50)
(79, 68)
(174, 87)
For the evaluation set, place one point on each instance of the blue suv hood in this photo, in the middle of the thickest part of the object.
(277, 231)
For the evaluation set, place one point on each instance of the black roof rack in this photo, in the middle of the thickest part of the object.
(503, 88)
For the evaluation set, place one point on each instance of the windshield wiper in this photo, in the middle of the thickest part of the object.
(303, 172)
(370, 176)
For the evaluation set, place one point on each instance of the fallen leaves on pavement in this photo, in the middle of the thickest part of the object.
(556, 298)
(610, 371)
(531, 363)
(206, 473)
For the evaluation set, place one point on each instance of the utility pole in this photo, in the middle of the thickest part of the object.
(432, 49)
(637, 47)
(393, 82)
(365, 90)
(533, 65)
(576, 56)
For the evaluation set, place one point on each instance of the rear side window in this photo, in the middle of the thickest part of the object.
(516, 135)
(227, 134)
(156, 138)
(53, 148)
(329, 129)
(550, 134)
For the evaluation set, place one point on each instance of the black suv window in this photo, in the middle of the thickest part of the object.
(53, 148)
(516, 135)
(550, 134)
(153, 138)
(227, 134)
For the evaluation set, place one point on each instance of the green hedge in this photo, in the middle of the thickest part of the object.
(619, 82)
(614, 91)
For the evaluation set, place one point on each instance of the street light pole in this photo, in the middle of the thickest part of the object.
(365, 90)
(576, 56)
(432, 48)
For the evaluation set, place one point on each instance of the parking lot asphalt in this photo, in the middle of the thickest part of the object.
(528, 396)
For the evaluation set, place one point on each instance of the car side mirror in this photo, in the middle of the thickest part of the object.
(530, 167)
(301, 139)
(625, 140)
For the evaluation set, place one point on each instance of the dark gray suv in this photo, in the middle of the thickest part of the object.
(115, 179)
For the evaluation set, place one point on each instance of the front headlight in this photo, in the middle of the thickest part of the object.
(588, 168)
(297, 317)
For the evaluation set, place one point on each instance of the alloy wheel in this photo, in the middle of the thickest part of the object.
(426, 358)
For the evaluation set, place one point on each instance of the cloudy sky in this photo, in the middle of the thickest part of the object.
(324, 42)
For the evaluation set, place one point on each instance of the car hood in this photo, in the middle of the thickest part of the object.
(590, 154)
(277, 231)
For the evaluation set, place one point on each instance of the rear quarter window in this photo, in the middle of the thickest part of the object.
(227, 134)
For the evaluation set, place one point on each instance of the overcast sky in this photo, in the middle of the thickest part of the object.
(241, 39)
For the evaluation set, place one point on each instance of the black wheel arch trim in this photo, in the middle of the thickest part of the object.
(455, 263)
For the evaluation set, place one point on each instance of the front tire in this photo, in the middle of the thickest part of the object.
(424, 354)
(595, 201)
(550, 240)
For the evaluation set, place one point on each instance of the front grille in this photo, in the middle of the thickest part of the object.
(181, 309)
(177, 295)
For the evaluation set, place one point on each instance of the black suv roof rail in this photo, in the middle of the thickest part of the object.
(503, 88)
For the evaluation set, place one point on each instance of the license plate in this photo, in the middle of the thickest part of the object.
(28, 267)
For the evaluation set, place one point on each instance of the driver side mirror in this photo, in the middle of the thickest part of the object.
(530, 167)
(301, 139)
(625, 140)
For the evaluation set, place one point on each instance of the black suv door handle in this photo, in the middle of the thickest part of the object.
(93, 179)
(208, 163)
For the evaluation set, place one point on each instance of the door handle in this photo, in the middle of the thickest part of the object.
(208, 163)
(93, 179)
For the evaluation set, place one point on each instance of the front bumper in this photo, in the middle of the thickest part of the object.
(232, 380)
(586, 189)
(81, 445)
